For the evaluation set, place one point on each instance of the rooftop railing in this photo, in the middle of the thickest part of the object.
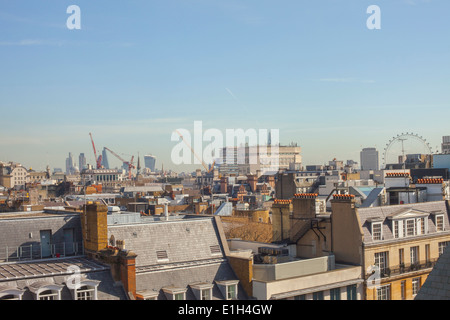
(404, 268)
(36, 251)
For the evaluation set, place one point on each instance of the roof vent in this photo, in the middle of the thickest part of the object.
(161, 255)
(215, 249)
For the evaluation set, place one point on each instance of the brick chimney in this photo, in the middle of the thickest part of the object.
(303, 210)
(94, 227)
(281, 219)
(224, 185)
(123, 267)
(304, 205)
(346, 229)
(271, 181)
(252, 180)
(127, 261)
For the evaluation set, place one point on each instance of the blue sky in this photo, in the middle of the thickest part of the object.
(138, 70)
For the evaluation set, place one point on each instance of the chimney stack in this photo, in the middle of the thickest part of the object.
(281, 219)
(304, 205)
(94, 227)
(224, 185)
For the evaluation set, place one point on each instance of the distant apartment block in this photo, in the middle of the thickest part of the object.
(445, 146)
(249, 159)
(12, 175)
(369, 159)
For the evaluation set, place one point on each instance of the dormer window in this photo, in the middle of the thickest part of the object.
(439, 221)
(84, 290)
(202, 290)
(175, 293)
(228, 288)
(376, 231)
(376, 228)
(409, 223)
(46, 291)
(411, 227)
(8, 293)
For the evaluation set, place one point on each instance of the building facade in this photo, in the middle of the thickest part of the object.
(150, 162)
(369, 159)
(397, 246)
(13, 175)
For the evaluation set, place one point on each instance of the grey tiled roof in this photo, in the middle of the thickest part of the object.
(183, 277)
(176, 254)
(44, 268)
(437, 284)
(27, 276)
(183, 240)
(384, 212)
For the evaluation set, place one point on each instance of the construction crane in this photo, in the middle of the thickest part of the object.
(203, 163)
(99, 159)
(128, 163)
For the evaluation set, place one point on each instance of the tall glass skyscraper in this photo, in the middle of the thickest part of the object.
(81, 161)
(150, 162)
(105, 162)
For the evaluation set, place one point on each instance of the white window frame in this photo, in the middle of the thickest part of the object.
(384, 292)
(208, 296)
(42, 288)
(53, 295)
(414, 254)
(228, 291)
(408, 227)
(415, 286)
(441, 246)
(200, 288)
(439, 216)
(90, 285)
(423, 225)
(16, 293)
(224, 288)
(176, 295)
(172, 293)
(85, 292)
(396, 228)
(382, 260)
(380, 225)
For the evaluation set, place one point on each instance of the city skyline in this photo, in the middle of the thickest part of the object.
(134, 73)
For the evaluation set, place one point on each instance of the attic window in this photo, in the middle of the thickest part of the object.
(215, 249)
(161, 255)
(228, 288)
(439, 222)
(377, 233)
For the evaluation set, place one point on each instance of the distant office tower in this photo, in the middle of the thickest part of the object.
(150, 162)
(69, 164)
(105, 162)
(246, 160)
(445, 144)
(369, 159)
(81, 161)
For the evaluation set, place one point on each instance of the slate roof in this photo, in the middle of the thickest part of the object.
(371, 197)
(384, 212)
(437, 284)
(177, 253)
(183, 240)
(182, 277)
(27, 276)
